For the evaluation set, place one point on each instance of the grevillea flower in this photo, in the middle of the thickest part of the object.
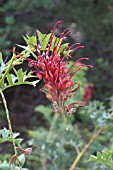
(51, 66)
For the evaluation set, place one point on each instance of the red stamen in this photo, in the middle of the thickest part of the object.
(76, 49)
(77, 62)
(78, 68)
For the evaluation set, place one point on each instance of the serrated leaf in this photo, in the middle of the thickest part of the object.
(6, 137)
(43, 40)
(20, 77)
(104, 158)
(9, 139)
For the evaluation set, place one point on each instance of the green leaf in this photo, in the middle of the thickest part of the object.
(18, 141)
(103, 158)
(30, 40)
(20, 77)
(16, 134)
(92, 158)
(4, 166)
(1, 59)
(22, 159)
(5, 133)
(2, 65)
(98, 155)
(6, 137)
(43, 40)
(9, 78)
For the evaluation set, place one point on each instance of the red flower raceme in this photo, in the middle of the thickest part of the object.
(51, 66)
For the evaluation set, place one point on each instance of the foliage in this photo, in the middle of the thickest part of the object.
(18, 78)
(103, 158)
(56, 147)
(6, 137)
(98, 114)
(7, 80)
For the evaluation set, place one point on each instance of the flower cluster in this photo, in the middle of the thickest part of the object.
(51, 66)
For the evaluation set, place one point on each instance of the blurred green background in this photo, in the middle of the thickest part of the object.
(91, 24)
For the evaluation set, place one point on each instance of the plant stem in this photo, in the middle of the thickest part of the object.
(65, 121)
(63, 115)
(94, 136)
(52, 126)
(43, 164)
(10, 127)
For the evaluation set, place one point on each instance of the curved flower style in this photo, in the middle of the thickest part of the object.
(51, 66)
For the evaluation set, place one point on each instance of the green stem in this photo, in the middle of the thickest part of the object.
(33, 54)
(65, 121)
(62, 108)
(10, 127)
(52, 126)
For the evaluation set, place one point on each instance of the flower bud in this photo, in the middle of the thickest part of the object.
(28, 151)
(38, 75)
